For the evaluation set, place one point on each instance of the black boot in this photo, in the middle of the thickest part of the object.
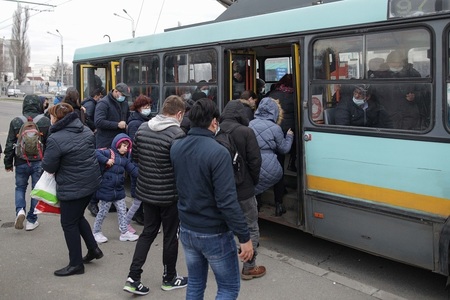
(279, 209)
(93, 254)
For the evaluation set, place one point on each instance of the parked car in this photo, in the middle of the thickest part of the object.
(15, 93)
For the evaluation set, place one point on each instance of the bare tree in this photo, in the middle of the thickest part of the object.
(20, 47)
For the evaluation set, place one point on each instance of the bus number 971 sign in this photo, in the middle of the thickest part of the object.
(415, 8)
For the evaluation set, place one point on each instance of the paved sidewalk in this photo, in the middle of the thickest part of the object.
(28, 259)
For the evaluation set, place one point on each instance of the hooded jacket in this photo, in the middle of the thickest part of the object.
(271, 140)
(108, 113)
(70, 154)
(245, 140)
(112, 187)
(31, 107)
(151, 151)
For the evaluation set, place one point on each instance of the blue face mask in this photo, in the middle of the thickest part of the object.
(121, 99)
(146, 111)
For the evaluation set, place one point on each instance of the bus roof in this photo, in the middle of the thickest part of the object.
(330, 15)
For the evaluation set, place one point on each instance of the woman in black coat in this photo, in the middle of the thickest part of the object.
(70, 156)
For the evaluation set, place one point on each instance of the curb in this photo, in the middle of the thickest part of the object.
(331, 276)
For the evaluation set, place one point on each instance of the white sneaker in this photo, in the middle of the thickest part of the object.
(31, 226)
(18, 223)
(100, 238)
(128, 236)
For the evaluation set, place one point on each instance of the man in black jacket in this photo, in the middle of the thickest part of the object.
(156, 189)
(234, 120)
(111, 115)
(110, 119)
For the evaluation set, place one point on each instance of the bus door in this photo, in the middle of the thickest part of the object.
(98, 76)
(298, 142)
(242, 72)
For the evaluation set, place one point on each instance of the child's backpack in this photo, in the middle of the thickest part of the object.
(29, 145)
(226, 140)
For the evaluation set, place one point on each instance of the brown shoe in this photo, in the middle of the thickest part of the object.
(256, 272)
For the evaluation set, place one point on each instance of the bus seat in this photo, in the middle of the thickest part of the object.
(329, 116)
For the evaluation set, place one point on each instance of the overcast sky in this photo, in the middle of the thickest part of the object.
(85, 22)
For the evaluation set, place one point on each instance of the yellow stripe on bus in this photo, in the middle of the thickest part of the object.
(424, 203)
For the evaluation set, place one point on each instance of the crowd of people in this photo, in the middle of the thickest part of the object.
(91, 146)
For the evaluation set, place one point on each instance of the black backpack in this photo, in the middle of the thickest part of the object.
(225, 139)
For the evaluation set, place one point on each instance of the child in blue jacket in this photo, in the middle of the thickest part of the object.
(113, 163)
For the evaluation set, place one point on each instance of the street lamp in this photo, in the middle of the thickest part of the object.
(62, 53)
(129, 19)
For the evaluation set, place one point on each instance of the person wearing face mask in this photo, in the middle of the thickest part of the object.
(406, 103)
(111, 115)
(140, 113)
(362, 109)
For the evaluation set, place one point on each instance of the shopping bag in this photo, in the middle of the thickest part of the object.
(45, 189)
(45, 208)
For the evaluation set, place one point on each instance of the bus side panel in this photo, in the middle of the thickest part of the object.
(404, 240)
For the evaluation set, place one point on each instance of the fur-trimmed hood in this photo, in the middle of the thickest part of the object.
(270, 109)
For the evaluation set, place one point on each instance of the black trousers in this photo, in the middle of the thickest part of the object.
(278, 188)
(154, 216)
(75, 226)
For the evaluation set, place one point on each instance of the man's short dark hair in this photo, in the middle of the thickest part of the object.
(96, 92)
(202, 113)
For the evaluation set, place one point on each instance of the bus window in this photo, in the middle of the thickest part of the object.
(188, 75)
(275, 68)
(398, 54)
(131, 71)
(141, 75)
(388, 57)
(338, 58)
(191, 68)
(149, 69)
(362, 105)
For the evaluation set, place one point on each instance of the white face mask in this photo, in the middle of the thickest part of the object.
(146, 111)
(187, 96)
(358, 101)
(121, 99)
(395, 69)
(206, 92)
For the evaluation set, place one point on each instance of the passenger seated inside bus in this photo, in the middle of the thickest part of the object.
(362, 109)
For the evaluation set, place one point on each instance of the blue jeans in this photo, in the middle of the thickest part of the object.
(220, 252)
(23, 173)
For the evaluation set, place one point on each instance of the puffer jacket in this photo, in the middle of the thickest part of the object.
(245, 140)
(31, 107)
(271, 141)
(108, 113)
(112, 187)
(151, 150)
(70, 154)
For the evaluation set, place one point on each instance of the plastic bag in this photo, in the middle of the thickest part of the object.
(45, 208)
(45, 189)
